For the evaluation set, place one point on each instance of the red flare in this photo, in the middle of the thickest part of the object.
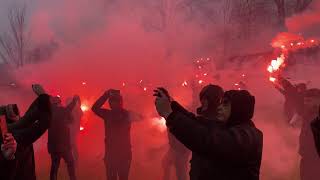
(272, 79)
(84, 108)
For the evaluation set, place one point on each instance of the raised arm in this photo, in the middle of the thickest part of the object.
(71, 106)
(39, 113)
(40, 105)
(216, 143)
(286, 84)
(97, 106)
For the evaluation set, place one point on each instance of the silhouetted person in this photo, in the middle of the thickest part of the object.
(232, 144)
(76, 116)
(117, 121)
(26, 130)
(178, 157)
(293, 95)
(310, 161)
(59, 143)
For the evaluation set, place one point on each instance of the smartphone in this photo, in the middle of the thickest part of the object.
(3, 126)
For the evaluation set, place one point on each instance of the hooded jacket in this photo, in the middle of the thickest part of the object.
(233, 149)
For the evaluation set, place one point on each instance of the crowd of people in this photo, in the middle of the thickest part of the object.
(221, 137)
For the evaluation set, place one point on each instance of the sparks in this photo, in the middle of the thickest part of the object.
(272, 79)
(185, 83)
(145, 89)
(84, 83)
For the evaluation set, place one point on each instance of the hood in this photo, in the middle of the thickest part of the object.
(213, 94)
(242, 106)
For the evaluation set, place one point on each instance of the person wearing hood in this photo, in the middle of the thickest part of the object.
(25, 130)
(232, 147)
(178, 154)
(210, 98)
(309, 137)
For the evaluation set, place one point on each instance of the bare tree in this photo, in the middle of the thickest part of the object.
(13, 44)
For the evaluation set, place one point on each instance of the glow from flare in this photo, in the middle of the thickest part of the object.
(84, 108)
(160, 123)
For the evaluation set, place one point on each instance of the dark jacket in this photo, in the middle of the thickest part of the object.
(307, 148)
(117, 126)
(200, 166)
(233, 151)
(26, 131)
(59, 132)
(315, 127)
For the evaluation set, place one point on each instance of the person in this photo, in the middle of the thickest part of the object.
(117, 122)
(293, 97)
(25, 130)
(76, 116)
(232, 144)
(310, 162)
(59, 141)
(210, 97)
(177, 156)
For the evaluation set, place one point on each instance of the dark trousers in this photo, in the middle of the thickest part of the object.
(55, 163)
(117, 165)
(310, 168)
(179, 161)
